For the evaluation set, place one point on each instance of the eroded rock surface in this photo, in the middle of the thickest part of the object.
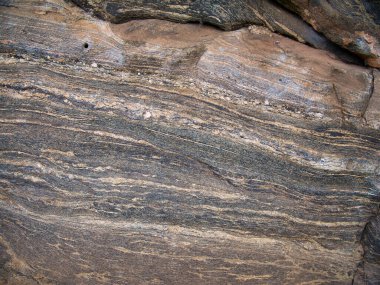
(154, 152)
(352, 24)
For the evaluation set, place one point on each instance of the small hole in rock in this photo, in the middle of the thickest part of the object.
(85, 45)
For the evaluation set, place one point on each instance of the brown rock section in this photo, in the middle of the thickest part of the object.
(227, 15)
(154, 152)
(351, 24)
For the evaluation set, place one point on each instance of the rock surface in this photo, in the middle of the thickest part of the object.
(352, 24)
(154, 152)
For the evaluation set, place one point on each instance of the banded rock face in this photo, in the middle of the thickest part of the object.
(352, 24)
(153, 152)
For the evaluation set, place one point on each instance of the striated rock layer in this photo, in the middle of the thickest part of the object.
(154, 152)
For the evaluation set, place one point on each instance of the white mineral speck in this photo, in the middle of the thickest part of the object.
(94, 64)
(147, 115)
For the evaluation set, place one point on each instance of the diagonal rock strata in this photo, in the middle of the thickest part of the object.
(154, 152)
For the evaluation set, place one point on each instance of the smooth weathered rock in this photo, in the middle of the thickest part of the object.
(227, 15)
(353, 24)
(154, 152)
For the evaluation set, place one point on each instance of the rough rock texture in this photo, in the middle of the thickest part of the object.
(352, 24)
(372, 113)
(154, 152)
(369, 271)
